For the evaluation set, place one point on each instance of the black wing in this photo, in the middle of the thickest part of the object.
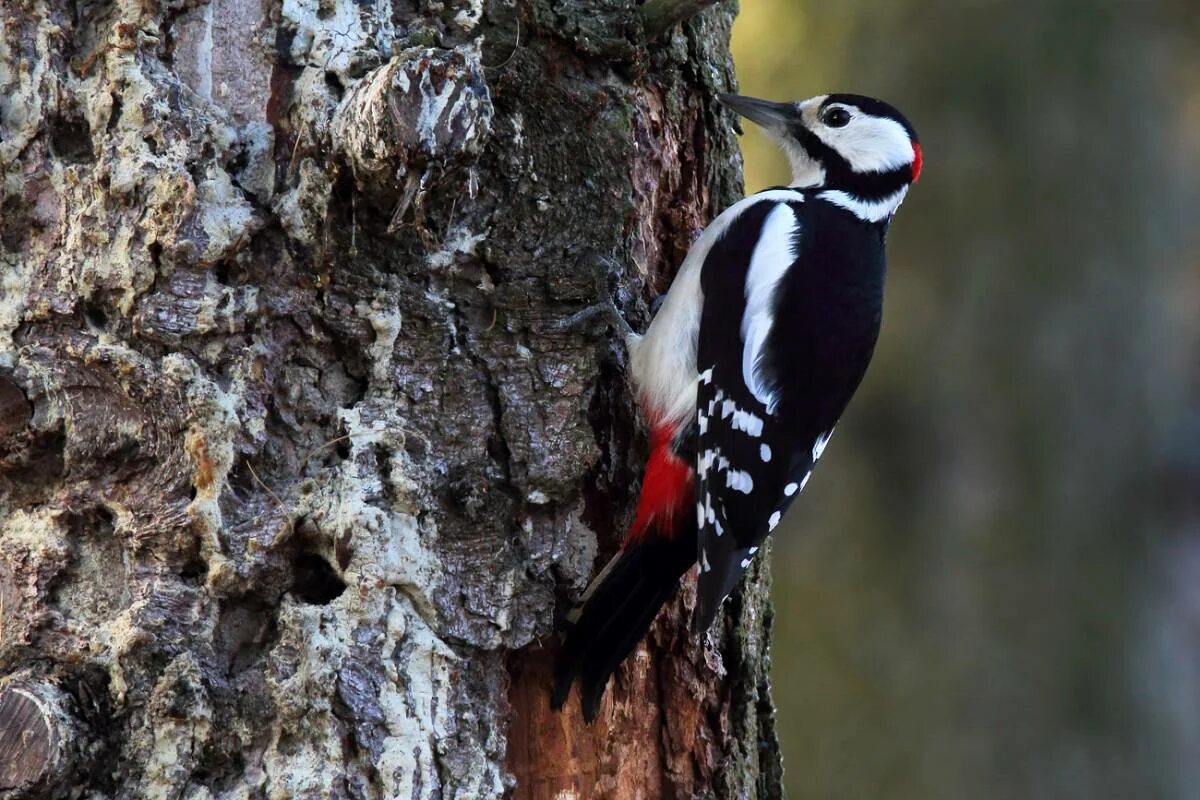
(793, 297)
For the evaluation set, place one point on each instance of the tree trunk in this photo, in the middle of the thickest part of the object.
(295, 471)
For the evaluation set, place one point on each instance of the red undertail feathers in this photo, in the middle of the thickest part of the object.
(666, 488)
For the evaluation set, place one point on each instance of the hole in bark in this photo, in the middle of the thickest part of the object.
(156, 250)
(114, 115)
(343, 550)
(223, 272)
(71, 141)
(315, 582)
(334, 84)
(95, 313)
(284, 36)
(194, 569)
(384, 464)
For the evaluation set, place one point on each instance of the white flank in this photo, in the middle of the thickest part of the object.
(663, 362)
(772, 256)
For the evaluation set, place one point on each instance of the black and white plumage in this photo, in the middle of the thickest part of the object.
(742, 375)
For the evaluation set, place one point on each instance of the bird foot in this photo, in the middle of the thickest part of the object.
(602, 268)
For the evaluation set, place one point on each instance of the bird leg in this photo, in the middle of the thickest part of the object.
(602, 268)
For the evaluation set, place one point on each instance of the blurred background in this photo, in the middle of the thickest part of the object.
(993, 588)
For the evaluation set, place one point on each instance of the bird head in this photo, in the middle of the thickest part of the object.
(846, 142)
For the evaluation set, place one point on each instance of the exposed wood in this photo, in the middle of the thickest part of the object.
(36, 740)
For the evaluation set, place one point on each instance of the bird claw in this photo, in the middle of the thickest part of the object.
(602, 268)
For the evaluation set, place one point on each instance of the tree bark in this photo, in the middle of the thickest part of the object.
(296, 474)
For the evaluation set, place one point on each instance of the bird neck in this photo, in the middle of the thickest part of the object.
(866, 208)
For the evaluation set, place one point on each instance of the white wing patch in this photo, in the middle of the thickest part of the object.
(772, 256)
(662, 363)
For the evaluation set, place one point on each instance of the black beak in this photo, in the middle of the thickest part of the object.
(773, 116)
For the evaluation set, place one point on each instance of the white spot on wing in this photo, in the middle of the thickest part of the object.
(819, 445)
(773, 521)
(747, 422)
(773, 254)
(739, 481)
(764, 450)
(745, 563)
(790, 489)
(706, 376)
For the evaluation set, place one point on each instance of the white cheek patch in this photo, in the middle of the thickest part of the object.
(869, 143)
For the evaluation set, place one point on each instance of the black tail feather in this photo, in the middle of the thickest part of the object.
(617, 615)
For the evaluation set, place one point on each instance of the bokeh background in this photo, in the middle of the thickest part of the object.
(992, 587)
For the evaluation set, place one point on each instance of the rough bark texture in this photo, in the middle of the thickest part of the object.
(294, 473)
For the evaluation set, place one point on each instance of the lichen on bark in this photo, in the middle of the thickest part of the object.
(295, 474)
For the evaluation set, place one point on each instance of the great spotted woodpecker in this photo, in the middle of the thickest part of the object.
(742, 375)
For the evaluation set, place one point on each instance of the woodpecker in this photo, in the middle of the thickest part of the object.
(746, 368)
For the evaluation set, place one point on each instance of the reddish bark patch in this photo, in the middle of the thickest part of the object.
(653, 737)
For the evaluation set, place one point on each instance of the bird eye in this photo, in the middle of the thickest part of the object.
(836, 117)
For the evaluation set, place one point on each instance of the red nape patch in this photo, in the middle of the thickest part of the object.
(916, 168)
(666, 488)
